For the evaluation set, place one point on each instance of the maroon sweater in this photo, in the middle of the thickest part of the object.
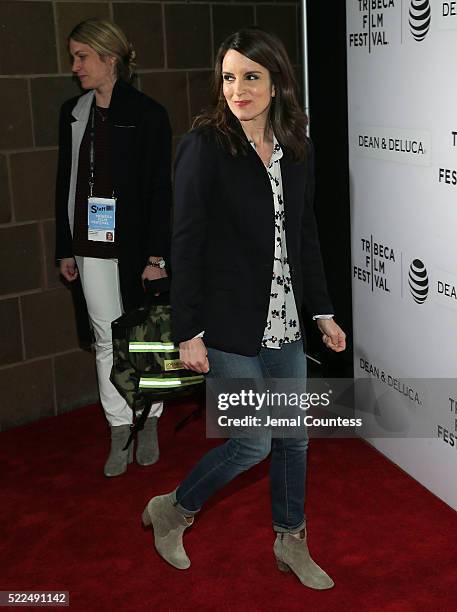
(103, 187)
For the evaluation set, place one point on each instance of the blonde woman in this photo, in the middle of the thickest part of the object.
(113, 200)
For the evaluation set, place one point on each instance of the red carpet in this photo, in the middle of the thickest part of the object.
(386, 541)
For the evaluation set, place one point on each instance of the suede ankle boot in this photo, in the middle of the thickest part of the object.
(147, 444)
(117, 461)
(292, 554)
(168, 525)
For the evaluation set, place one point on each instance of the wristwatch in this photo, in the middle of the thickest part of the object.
(160, 263)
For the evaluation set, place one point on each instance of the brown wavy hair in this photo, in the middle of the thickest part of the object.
(287, 119)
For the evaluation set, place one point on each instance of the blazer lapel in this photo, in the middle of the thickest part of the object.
(81, 114)
(293, 186)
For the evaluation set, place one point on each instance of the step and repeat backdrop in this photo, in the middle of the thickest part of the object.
(402, 105)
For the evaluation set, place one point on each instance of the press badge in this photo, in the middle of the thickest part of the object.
(101, 219)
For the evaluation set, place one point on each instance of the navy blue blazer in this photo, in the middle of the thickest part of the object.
(223, 244)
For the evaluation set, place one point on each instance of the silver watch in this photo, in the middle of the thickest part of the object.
(157, 264)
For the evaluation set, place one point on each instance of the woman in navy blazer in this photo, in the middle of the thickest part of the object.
(247, 274)
(227, 212)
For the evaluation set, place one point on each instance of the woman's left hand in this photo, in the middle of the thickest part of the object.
(333, 336)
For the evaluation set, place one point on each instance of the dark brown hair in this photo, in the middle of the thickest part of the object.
(287, 119)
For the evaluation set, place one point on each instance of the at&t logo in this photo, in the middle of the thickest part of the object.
(418, 281)
(419, 19)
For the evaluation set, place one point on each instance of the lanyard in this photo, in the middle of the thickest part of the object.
(92, 152)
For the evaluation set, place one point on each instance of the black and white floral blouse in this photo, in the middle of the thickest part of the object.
(282, 322)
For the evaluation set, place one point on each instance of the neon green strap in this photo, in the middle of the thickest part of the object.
(152, 347)
(158, 383)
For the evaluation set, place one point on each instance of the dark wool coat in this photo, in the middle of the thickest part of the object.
(140, 138)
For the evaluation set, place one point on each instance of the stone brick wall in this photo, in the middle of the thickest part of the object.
(43, 372)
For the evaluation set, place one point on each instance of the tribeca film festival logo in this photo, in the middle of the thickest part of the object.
(418, 281)
(376, 264)
(448, 176)
(373, 31)
(420, 17)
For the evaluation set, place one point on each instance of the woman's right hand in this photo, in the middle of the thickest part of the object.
(194, 356)
(68, 269)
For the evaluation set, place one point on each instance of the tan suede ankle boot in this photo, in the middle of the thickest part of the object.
(168, 525)
(292, 554)
(147, 444)
(118, 459)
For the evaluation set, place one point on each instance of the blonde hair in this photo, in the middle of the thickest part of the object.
(106, 38)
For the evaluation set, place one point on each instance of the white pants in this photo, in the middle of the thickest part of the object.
(100, 281)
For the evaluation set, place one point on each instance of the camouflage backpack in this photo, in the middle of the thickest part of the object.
(146, 365)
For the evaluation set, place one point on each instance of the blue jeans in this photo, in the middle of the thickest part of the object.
(288, 455)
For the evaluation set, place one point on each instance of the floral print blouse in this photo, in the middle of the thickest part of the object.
(282, 322)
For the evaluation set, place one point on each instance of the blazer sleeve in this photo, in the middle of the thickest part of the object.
(194, 176)
(64, 245)
(316, 297)
(157, 176)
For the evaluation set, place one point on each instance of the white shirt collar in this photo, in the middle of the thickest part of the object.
(277, 151)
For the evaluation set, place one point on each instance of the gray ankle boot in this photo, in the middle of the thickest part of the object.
(117, 461)
(292, 554)
(147, 447)
(168, 525)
